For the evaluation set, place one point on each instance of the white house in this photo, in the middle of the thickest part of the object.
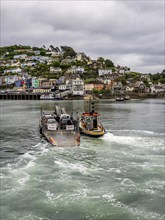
(11, 79)
(78, 87)
(71, 69)
(157, 88)
(80, 69)
(55, 69)
(62, 87)
(103, 72)
(129, 88)
(20, 56)
(107, 79)
(37, 52)
(124, 71)
(117, 88)
(17, 70)
(15, 64)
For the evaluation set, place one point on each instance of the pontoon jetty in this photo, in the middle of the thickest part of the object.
(60, 128)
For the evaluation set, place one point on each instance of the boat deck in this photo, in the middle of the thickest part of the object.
(62, 138)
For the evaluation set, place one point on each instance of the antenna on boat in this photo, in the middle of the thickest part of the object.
(92, 107)
(87, 105)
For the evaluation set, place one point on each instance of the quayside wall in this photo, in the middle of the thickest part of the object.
(19, 96)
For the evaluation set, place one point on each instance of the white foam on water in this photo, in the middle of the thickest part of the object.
(127, 182)
(114, 170)
(134, 131)
(29, 155)
(158, 185)
(32, 217)
(149, 143)
(2, 175)
(72, 166)
(81, 193)
(121, 139)
(18, 172)
(110, 197)
(24, 179)
(50, 196)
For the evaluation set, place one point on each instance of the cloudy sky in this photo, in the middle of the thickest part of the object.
(130, 33)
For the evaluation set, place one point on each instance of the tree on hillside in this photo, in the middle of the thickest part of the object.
(65, 66)
(55, 64)
(68, 51)
(42, 52)
(109, 63)
(101, 60)
(35, 48)
(123, 81)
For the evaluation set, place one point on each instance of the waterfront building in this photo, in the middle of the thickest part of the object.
(78, 87)
(35, 82)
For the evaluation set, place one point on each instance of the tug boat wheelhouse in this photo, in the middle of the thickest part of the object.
(60, 128)
(89, 123)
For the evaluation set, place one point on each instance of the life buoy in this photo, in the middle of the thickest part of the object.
(95, 114)
(86, 114)
(51, 140)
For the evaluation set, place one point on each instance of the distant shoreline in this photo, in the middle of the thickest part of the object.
(132, 96)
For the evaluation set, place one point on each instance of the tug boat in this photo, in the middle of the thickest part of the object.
(59, 128)
(89, 123)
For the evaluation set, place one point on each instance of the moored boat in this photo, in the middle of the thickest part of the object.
(89, 123)
(51, 96)
(119, 98)
(127, 97)
(47, 96)
(59, 128)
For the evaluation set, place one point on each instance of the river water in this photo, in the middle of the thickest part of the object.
(118, 176)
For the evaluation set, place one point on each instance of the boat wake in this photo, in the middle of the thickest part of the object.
(133, 139)
(16, 172)
(136, 132)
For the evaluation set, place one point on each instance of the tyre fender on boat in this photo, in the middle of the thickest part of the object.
(40, 130)
(52, 141)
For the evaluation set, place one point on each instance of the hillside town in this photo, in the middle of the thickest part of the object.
(25, 69)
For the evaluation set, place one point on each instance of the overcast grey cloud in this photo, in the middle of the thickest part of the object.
(130, 33)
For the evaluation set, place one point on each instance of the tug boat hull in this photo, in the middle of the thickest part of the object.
(92, 133)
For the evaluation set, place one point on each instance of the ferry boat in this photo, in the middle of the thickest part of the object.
(89, 122)
(59, 128)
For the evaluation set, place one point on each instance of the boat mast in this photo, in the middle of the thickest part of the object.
(89, 106)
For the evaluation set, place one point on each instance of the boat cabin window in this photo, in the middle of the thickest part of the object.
(65, 117)
(87, 119)
(51, 121)
(47, 115)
